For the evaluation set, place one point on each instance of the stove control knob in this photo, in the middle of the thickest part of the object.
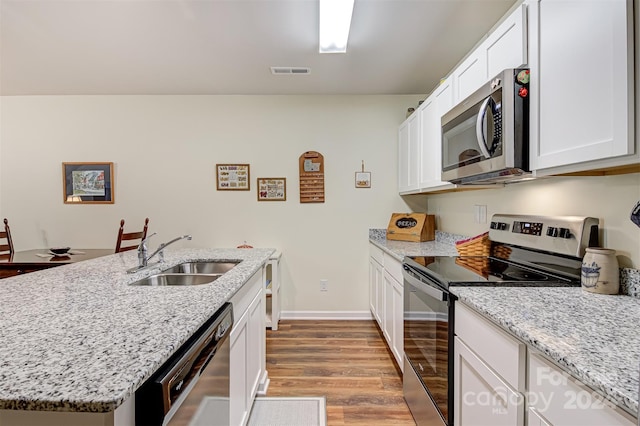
(564, 233)
(503, 226)
(552, 231)
(494, 225)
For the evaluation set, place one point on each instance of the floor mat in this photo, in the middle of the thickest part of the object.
(277, 411)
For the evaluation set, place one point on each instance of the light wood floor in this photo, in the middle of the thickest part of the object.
(345, 361)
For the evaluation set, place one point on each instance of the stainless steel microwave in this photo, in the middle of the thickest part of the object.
(485, 139)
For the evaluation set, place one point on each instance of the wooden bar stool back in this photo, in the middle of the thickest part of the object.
(6, 246)
(129, 237)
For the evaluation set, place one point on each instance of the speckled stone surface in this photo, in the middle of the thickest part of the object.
(630, 282)
(443, 245)
(594, 337)
(79, 338)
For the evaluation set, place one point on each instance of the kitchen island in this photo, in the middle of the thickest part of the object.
(79, 338)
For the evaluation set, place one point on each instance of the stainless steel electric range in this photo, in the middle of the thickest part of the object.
(526, 251)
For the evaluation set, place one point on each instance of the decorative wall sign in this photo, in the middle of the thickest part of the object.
(363, 179)
(232, 177)
(272, 189)
(87, 183)
(311, 165)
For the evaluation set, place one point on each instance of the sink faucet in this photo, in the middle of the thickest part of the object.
(144, 257)
(162, 246)
(142, 251)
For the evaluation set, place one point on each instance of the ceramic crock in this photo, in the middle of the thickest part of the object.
(600, 272)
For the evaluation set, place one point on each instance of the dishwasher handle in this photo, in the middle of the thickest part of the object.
(190, 364)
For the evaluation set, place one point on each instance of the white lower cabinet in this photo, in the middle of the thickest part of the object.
(499, 381)
(397, 337)
(248, 356)
(535, 419)
(376, 297)
(489, 379)
(393, 320)
(556, 398)
(482, 397)
(386, 299)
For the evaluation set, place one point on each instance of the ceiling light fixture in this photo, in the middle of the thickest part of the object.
(335, 20)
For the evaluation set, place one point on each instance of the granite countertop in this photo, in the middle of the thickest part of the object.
(594, 337)
(79, 338)
(443, 245)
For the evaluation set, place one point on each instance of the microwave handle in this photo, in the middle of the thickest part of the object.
(480, 131)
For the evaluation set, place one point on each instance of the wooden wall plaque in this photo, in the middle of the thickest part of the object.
(311, 177)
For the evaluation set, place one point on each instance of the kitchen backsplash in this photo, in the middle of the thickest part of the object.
(629, 278)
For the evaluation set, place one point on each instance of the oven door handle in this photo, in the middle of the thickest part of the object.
(480, 128)
(437, 294)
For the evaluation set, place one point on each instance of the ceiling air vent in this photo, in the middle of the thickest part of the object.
(290, 70)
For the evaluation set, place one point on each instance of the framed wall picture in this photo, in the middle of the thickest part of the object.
(272, 189)
(363, 179)
(232, 177)
(87, 183)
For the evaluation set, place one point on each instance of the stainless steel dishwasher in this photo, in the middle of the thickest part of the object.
(192, 387)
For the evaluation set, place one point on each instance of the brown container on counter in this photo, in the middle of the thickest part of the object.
(413, 227)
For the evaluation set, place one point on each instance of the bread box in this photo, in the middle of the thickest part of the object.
(414, 227)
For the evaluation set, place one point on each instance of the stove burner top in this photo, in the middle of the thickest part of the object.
(485, 271)
(523, 275)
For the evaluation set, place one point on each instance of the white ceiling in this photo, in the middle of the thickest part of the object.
(81, 47)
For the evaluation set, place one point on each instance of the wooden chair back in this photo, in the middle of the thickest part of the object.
(129, 237)
(6, 246)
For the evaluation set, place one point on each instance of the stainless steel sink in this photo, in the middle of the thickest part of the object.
(202, 267)
(177, 279)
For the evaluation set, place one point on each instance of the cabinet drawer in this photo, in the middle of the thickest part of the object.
(560, 399)
(505, 354)
(376, 253)
(394, 267)
(245, 295)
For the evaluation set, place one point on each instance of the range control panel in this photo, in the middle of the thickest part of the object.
(568, 235)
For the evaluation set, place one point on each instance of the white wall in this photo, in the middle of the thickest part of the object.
(608, 198)
(165, 149)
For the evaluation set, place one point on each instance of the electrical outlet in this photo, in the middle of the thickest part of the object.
(324, 285)
(480, 213)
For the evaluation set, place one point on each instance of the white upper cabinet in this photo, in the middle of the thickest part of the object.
(409, 154)
(431, 143)
(420, 136)
(469, 75)
(403, 157)
(444, 95)
(581, 58)
(505, 47)
(420, 145)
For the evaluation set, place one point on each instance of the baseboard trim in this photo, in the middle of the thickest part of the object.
(263, 386)
(326, 315)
